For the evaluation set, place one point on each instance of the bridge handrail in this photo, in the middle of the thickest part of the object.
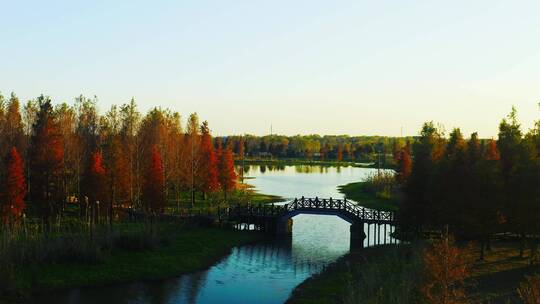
(359, 212)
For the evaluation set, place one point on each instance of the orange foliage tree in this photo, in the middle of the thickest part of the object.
(227, 175)
(208, 162)
(154, 182)
(445, 272)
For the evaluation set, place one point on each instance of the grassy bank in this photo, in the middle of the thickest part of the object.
(359, 193)
(392, 274)
(373, 275)
(185, 250)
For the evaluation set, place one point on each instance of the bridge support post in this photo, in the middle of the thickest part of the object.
(357, 236)
(284, 227)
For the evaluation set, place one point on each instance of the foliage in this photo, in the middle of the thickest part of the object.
(445, 272)
(46, 161)
(381, 185)
(529, 291)
(153, 195)
(227, 176)
(12, 201)
(208, 162)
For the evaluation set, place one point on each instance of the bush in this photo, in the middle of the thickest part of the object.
(381, 185)
(529, 291)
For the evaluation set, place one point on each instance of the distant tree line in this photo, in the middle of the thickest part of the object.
(316, 147)
(475, 188)
(56, 155)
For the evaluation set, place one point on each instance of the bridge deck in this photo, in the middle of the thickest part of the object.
(344, 208)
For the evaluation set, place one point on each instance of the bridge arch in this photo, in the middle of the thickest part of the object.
(278, 219)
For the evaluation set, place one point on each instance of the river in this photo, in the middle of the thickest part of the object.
(263, 273)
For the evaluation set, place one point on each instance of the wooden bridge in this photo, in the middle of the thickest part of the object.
(278, 218)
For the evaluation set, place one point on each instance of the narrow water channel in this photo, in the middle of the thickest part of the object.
(265, 272)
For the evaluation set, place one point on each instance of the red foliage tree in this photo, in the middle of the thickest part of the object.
(153, 194)
(208, 162)
(15, 187)
(227, 176)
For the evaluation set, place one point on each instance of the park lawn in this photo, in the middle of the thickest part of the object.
(189, 250)
(356, 192)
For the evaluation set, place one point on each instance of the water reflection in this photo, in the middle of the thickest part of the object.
(262, 273)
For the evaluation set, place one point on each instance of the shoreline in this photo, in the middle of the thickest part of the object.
(355, 191)
(191, 250)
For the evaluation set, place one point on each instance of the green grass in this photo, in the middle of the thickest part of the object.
(189, 250)
(356, 192)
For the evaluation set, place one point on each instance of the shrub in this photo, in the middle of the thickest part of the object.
(529, 291)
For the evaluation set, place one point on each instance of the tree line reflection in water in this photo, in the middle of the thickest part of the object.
(228, 278)
(307, 169)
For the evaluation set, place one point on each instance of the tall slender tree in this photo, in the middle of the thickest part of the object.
(12, 201)
(46, 162)
(208, 166)
(227, 175)
(153, 190)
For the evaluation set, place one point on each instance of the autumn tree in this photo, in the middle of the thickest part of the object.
(227, 175)
(404, 164)
(339, 153)
(192, 143)
(95, 185)
(115, 161)
(12, 200)
(485, 192)
(427, 151)
(66, 117)
(445, 270)
(208, 163)
(129, 126)
(13, 125)
(447, 193)
(46, 162)
(153, 192)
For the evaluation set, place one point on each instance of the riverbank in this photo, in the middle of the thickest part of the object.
(392, 273)
(371, 275)
(186, 250)
(357, 192)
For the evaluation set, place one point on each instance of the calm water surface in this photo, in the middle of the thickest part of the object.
(265, 272)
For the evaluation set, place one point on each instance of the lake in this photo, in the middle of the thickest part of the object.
(265, 272)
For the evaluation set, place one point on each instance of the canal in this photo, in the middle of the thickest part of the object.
(264, 273)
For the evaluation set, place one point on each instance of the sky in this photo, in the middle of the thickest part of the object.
(302, 67)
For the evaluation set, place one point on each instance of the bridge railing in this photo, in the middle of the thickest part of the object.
(361, 213)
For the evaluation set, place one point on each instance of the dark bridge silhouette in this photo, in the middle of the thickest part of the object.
(278, 218)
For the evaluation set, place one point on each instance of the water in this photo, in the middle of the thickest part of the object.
(262, 273)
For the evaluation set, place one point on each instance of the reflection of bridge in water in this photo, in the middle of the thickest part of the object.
(278, 218)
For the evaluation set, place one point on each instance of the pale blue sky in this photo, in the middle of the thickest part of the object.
(328, 67)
